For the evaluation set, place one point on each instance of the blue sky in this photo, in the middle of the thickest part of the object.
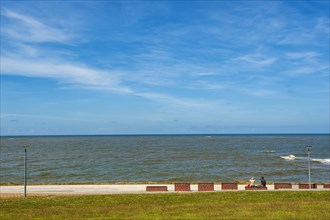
(164, 67)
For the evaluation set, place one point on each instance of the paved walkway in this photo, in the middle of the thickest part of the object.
(43, 190)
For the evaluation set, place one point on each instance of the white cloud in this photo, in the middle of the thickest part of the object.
(322, 25)
(154, 65)
(76, 74)
(258, 92)
(30, 116)
(80, 76)
(34, 60)
(302, 55)
(257, 59)
(305, 70)
(172, 101)
(305, 63)
(314, 33)
(28, 29)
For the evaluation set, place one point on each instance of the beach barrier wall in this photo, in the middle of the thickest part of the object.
(255, 188)
(205, 186)
(282, 185)
(306, 186)
(229, 186)
(156, 188)
(182, 186)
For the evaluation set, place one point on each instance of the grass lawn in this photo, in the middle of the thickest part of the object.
(214, 205)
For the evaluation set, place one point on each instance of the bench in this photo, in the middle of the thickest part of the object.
(326, 186)
(156, 188)
(229, 186)
(205, 186)
(255, 188)
(182, 187)
(306, 186)
(282, 185)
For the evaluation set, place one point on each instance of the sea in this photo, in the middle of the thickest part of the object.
(165, 158)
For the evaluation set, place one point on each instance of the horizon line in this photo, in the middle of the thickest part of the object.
(162, 134)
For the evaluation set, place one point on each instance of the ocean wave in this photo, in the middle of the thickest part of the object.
(293, 157)
(324, 161)
(290, 157)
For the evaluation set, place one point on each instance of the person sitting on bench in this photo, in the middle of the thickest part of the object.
(252, 182)
(263, 182)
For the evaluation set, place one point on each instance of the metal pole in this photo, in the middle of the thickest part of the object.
(25, 169)
(309, 169)
(309, 165)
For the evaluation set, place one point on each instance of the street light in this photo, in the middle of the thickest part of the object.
(25, 168)
(309, 148)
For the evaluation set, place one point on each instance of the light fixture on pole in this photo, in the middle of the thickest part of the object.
(25, 168)
(309, 148)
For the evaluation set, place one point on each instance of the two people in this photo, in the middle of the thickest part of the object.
(253, 182)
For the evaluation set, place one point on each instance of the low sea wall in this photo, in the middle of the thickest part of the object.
(141, 188)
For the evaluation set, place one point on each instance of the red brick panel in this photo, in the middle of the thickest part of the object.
(255, 188)
(205, 186)
(283, 186)
(156, 188)
(229, 186)
(182, 186)
(326, 185)
(306, 186)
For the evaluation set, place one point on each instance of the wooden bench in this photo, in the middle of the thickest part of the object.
(156, 188)
(205, 186)
(326, 186)
(229, 186)
(182, 187)
(282, 185)
(255, 188)
(306, 186)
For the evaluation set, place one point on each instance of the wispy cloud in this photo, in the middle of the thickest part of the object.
(30, 116)
(28, 29)
(305, 63)
(172, 101)
(306, 70)
(315, 33)
(257, 59)
(302, 55)
(217, 62)
(75, 74)
(200, 55)
(259, 92)
(32, 60)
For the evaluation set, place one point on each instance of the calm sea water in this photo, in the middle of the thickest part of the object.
(62, 159)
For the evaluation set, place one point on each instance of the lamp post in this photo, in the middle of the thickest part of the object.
(308, 148)
(25, 168)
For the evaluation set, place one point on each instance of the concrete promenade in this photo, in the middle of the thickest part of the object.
(108, 189)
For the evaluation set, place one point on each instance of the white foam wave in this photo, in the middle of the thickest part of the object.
(324, 161)
(290, 157)
(293, 157)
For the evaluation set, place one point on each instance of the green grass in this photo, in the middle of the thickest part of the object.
(215, 205)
